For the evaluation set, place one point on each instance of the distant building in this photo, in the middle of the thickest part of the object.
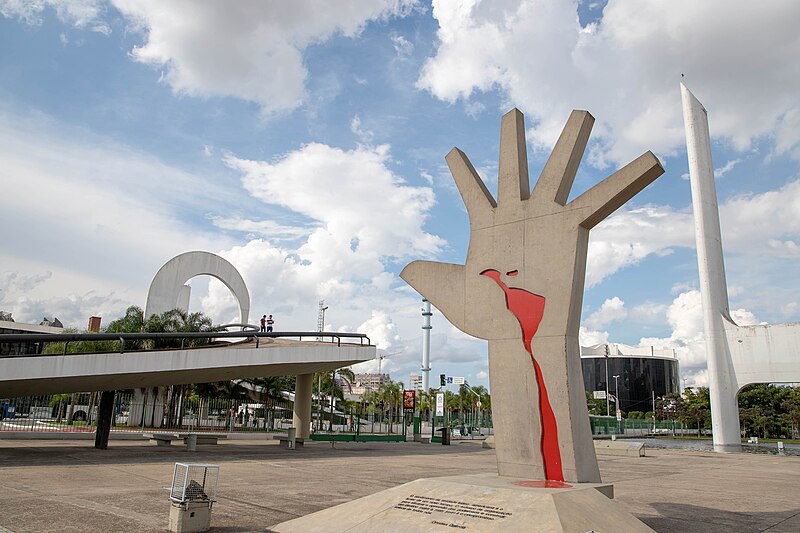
(94, 323)
(24, 348)
(55, 323)
(369, 382)
(641, 371)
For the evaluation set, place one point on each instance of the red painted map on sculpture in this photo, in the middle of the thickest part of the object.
(529, 309)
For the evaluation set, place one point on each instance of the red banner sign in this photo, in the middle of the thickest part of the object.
(408, 399)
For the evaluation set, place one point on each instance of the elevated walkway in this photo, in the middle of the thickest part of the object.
(261, 355)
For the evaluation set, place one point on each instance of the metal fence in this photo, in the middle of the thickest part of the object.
(165, 411)
(137, 413)
(609, 425)
(78, 413)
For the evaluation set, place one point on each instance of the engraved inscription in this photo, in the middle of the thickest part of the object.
(425, 505)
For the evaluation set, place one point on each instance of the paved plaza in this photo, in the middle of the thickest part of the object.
(68, 486)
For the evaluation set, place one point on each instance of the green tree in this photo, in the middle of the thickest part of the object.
(767, 410)
(697, 407)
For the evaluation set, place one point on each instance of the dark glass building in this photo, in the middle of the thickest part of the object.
(641, 370)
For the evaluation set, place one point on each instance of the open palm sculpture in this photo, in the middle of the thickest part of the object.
(521, 288)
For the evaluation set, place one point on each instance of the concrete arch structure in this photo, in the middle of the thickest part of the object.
(168, 290)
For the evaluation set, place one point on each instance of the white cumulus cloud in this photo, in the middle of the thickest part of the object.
(81, 14)
(613, 309)
(625, 68)
(246, 49)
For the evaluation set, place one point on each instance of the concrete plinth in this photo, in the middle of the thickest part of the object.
(189, 517)
(476, 503)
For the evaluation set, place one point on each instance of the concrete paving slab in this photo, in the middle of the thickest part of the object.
(66, 486)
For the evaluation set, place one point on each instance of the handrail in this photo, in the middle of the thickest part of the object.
(123, 337)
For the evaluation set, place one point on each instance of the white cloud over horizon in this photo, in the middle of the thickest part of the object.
(546, 63)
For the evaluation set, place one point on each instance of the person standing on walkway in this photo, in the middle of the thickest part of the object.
(270, 322)
(264, 323)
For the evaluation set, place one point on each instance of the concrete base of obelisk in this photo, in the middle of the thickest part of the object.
(475, 503)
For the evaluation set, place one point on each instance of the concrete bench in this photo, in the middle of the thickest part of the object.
(165, 439)
(619, 447)
(284, 441)
(205, 439)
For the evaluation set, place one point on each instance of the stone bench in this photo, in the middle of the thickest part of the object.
(284, 441)
(619, 447)
(205, 439)
(165, 439)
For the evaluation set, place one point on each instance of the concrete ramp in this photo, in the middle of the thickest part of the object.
(51, 374)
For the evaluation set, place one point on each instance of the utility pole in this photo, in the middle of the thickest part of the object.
(654, 410)
(321, 318)
(320, 328)
(426, 343)
(608, 406)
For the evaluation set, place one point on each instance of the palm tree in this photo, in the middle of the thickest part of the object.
(485, 402)
(271, 391)
(390, 394)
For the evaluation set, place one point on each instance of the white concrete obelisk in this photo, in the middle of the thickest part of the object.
(723, 385)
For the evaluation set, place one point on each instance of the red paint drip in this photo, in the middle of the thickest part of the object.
(543, 484)
(529, 309)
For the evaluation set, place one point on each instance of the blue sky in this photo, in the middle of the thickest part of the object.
(305, 143)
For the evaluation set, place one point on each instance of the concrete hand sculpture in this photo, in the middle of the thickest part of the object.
(521, 288)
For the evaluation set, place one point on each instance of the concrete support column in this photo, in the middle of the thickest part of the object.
(722, 381)
(301, 417)
(147, 407)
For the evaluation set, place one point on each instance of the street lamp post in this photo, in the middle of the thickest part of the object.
(333, 387)
(616, 398)
(608, 407)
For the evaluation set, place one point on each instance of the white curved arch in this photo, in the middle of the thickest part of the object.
(167, 288)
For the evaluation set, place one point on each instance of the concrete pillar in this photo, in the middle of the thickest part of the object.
(151, 401)
(301, 417)
(136, 407)
(713, 285)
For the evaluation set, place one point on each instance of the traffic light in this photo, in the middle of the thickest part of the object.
(442, 380)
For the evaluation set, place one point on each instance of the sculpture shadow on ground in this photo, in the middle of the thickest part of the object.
(686, 518)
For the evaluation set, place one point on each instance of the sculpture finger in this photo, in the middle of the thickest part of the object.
(512, 181)
(476, 196)
(557, 176)
(441, 283)
(611, 193)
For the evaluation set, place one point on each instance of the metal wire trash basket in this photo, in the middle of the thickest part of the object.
(192, 482)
